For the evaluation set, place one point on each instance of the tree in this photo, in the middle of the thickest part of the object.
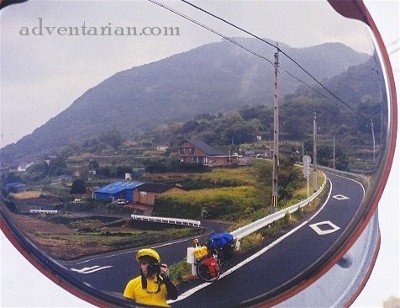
(57, 166)
(263, 173)
(78, 187)
(342, 160)
(38, 170)
(112, 138)
(93, 165)
(11, 178)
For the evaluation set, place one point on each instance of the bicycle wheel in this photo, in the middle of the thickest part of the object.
(207, 272)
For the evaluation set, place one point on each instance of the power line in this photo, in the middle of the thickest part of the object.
(310, 87)
(211, 30)
(255, 53)
(240, 45)
(231, 24)
(270, 44)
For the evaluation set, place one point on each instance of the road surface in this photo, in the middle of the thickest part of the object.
(262, 273)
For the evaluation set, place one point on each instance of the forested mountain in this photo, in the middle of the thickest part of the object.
(214, 78)
(348, 117)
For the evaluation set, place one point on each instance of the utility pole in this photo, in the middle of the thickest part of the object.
(315, 151)
(276, 136)
(373, 143)
(334, 152)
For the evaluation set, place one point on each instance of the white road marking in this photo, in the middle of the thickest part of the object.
(251, 258)
(340, 197)
(90, 270)
(332, 227)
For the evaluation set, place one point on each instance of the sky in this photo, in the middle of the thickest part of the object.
(41, 76)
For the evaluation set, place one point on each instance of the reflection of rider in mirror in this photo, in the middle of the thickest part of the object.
(153, 287)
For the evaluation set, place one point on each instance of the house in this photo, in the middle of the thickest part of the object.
(196, 151)
(65, 180)
(148, 192)
(117, 190)
(162, 148)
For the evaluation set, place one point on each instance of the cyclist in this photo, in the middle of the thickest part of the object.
(153, 287)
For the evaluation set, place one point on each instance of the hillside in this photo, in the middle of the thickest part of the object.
(214, 78)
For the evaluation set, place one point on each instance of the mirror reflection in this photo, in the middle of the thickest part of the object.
(238, 141)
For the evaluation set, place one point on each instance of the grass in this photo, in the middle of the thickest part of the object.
(81, 244)
(26, 195)
(244, 175)
(238, 203)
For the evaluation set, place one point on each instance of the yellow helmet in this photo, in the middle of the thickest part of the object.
(148, 252)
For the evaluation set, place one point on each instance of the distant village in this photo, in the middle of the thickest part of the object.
(126, 190)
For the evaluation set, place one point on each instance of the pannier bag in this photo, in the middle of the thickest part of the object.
(223, 241)
(200, 252)
(220, 240)
(212, 265)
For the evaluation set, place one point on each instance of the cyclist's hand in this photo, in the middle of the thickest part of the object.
(164, 270)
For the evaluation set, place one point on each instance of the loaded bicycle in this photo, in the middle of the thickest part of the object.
(210, 257)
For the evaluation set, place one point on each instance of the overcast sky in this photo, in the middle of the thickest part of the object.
(42, 73)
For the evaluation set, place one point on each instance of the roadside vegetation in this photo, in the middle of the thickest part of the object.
(68, 236)
(234, 195)
(181, 271)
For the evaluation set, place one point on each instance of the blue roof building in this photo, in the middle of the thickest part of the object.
(117, 190)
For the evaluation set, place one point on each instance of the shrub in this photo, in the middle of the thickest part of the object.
(251, 241)
(78, 187)
(179, 270)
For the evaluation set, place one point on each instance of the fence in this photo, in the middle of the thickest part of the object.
(265, 221)
(166, 220)
(43, 211)
(245, 230)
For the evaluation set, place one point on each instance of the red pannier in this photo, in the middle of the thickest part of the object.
(212, 265)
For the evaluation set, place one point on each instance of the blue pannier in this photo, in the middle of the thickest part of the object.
(220, 240)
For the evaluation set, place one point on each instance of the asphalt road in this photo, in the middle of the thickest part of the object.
(269, 268)
(111, 272)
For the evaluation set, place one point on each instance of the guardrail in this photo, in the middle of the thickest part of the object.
(265, 221)
(365, 180)
(245, 230)
(167, 220)
(43, 211)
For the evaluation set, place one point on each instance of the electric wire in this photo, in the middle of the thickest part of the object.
(309, 86)
(210, 29)
(256, 54)
(239, 45)
(270, 44)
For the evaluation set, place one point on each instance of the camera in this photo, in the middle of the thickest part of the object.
(153, 268)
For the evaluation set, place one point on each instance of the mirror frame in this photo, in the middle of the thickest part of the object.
(355, 9)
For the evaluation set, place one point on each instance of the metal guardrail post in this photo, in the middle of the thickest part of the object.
(237, 244)
(190, 259)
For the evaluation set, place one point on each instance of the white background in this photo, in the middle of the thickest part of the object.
(22, 285)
